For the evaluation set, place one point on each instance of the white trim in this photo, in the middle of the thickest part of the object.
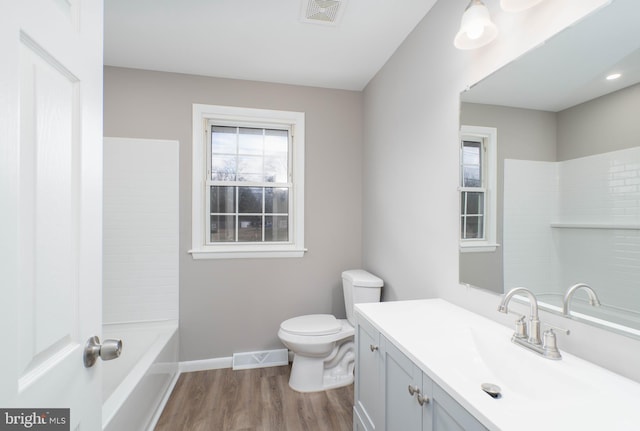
(483, 246)
(489, 135)
(211, 364)
(619, 226)
(296, 121)
(205, 364)
(267, 252)
(160, 408)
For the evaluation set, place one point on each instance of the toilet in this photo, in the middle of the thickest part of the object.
(322, 346)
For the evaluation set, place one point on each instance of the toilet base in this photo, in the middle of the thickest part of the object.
(312, 374)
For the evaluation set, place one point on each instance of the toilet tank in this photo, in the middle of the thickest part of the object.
(359, 286)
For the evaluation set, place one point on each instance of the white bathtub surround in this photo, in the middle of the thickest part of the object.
(140, 279)
(137, 385)
(141, 231)
(459, 350)
(576, 226)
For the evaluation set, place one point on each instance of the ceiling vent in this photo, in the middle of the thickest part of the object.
(326, 12)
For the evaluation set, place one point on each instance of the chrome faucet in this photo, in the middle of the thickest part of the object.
(593, 297)
(533, 330)
(529, 337)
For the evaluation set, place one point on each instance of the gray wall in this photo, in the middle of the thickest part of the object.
(410, 206)
(605, 124)
(524, 134)
(229, 306)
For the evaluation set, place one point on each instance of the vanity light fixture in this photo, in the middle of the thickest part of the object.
(517, 5)
(476, 28)
(613, 76)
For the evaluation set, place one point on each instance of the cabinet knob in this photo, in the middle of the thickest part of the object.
(373, 348)
(413, 390)
(423, 400)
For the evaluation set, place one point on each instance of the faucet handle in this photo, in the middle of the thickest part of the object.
(521, 328)
(550, 342)
(557, 328)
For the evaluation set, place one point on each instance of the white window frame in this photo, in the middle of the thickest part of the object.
(295, 121)
(489, 138)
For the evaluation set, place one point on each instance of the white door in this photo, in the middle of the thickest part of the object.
(50, 205)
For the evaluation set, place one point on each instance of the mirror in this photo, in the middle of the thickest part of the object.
(568, 169)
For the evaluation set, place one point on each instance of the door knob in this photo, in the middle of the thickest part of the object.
(110, 349)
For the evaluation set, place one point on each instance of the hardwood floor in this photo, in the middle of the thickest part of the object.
(257, 400)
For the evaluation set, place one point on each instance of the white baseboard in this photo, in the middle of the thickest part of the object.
(205, 364)
(210, 364)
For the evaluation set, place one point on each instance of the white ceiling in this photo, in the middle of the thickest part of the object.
(259, 40)
(571, 67)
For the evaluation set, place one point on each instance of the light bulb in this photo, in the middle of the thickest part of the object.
(476, 28)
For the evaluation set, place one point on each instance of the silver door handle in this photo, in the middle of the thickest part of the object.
(110, 349)
(373, 348)
(422, 400)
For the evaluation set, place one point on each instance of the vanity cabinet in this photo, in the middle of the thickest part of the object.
(392, 393)
(368, 391)
(414, 402)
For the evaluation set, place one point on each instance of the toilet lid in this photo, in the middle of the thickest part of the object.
(312, 324)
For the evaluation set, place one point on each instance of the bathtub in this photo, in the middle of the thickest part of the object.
(135, 386)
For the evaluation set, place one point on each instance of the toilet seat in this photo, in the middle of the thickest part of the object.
(312, 325)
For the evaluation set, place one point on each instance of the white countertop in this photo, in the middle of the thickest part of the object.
(460, 350)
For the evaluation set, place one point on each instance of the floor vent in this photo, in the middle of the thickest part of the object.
(266, 358)
(322, 11)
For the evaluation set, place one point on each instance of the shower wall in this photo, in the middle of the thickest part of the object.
(576, 221)
(140, 230)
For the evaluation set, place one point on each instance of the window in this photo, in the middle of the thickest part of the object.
(248, 183)
(478, 188)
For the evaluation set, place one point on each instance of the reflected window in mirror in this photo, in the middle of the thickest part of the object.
(478, 147)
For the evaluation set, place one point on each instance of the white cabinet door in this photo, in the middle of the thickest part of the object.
(50, 214)
(368, 388)
(402, 378)
(447, 415)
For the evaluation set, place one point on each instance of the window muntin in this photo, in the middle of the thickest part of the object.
(478, 196)
(248, 183)
(472, 190)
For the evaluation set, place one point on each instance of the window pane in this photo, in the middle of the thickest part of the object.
(276, 200)
(250, 200)
(474, 227)
(276, 228)
(275, 169)
(250, 141)
(471, 164)
(223, 140)
(223, 200)
(223, 228)
(250, 168)
(471, 176)
(475, 203)
(276, 142)
(223, 168)
(249, 228)
(471, 153)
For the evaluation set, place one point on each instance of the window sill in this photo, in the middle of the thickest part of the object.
(247, 253)
(478, 247)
